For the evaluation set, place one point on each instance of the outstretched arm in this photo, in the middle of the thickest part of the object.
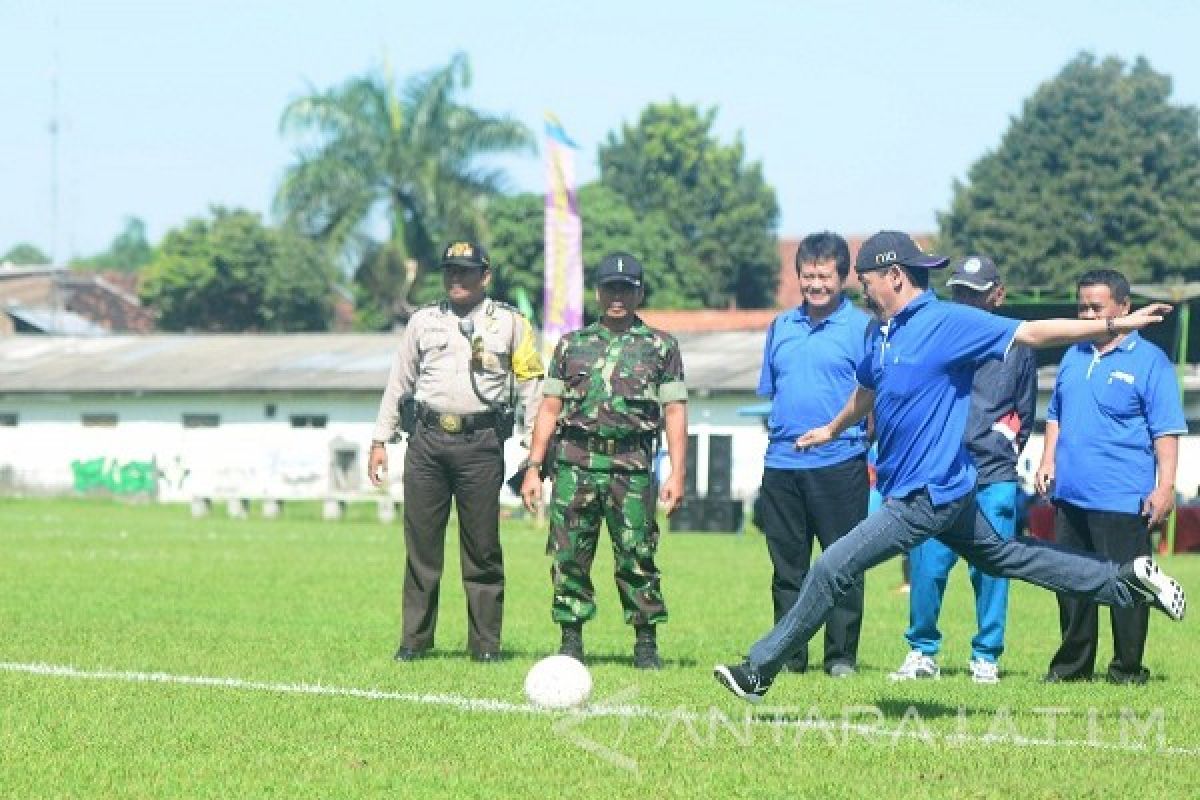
(1040, 333)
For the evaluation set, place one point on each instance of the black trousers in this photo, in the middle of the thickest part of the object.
(1120, 538)
(800, 505)
(469, 468)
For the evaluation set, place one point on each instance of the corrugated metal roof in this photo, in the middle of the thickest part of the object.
(48, 320)
(714, 362)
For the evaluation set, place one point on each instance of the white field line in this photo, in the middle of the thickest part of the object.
(675, 716)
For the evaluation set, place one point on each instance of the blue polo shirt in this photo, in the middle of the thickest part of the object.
(920, 366)
(808, 372)
(1110, 408)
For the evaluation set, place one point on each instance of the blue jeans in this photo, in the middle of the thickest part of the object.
(931, 564)
(901, 525)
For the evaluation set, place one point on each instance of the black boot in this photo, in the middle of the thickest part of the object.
(572, 641)
(645, 649)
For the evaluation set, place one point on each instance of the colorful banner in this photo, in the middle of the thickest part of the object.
(563, 293)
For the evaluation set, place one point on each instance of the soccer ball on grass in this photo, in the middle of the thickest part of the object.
(558, 681)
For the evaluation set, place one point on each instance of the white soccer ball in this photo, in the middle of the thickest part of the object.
(558, 681)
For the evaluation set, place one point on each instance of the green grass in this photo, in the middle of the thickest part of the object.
(104, 586)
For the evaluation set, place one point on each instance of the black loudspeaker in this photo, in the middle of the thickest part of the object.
(720, 466)
(689, 481)
(707, 515)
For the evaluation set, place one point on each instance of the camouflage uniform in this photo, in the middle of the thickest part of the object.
(613, 386)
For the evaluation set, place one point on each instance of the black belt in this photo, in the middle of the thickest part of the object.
(607, 446)
(456, 423)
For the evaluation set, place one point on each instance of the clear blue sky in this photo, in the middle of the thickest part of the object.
(862, 113)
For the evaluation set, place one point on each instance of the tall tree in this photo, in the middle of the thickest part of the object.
(1099, 169)
(232, 273)
(129, 251)
(609, 224)
(25, 255)
(721, 207)
(409, 162)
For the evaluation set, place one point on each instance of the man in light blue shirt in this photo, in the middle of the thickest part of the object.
(1112, 442)
(917, 377)
(808, 369)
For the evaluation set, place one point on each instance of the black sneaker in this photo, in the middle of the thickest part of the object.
(572, 642)
(645, 654)
(1153, 586)
(406, 653)
(744, 681)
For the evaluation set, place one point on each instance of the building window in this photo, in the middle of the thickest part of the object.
(8, 419)
(309, 420)
(99, 420)
(201, 420)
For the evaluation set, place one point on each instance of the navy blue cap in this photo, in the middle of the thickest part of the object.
(975, 272)
(619, 268)
(893, 247)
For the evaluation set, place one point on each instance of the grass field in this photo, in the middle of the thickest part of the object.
(223, 658)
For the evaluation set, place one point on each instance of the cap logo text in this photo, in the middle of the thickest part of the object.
(885, 258)
(972, 266)
(460, 250)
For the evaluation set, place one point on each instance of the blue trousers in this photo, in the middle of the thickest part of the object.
(901, 525)
(932, 562)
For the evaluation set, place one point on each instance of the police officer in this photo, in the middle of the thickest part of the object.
(458, 362)
(610, 388)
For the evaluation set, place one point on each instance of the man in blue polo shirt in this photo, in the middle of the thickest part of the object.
(917, 377)
(1112, 442)
(808, 369)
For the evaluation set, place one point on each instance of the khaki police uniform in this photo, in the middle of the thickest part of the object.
(455, 452)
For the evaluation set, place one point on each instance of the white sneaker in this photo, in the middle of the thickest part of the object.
(984, 671)
(916, 666)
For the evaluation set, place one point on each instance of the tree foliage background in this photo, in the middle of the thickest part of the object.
(230, 272)
(128, 252)
(1099, 169)
(721, 208)
(403, 162)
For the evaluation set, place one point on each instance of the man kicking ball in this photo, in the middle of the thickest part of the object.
(917, 378)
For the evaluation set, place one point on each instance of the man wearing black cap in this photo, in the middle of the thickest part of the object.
(1003, 402)
(917, 377)
(610, 388)
(463, 361)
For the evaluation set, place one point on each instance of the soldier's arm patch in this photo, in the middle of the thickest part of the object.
(673, 392)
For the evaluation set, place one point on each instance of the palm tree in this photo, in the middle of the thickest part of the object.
(373, 159)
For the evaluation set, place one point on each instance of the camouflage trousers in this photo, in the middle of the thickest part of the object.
(625, 500)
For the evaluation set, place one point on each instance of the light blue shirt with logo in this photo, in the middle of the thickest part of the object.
(808, 372)
(921, 365)
(1110, 408)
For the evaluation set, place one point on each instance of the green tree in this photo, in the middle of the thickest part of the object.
(230, 272)
(407, 162)
(129, 251)
(1099, 169)
(722, 209)
(25, 255)
(517, 245)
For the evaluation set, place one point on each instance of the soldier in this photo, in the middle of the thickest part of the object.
(458, 362)
(610, 388)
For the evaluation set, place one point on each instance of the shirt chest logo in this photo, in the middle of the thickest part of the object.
(1118, 375)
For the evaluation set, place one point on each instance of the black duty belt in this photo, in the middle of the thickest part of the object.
(607, 446)
(456, 423)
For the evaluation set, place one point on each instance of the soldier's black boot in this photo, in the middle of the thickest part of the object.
(572, 641)
(645, 649)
